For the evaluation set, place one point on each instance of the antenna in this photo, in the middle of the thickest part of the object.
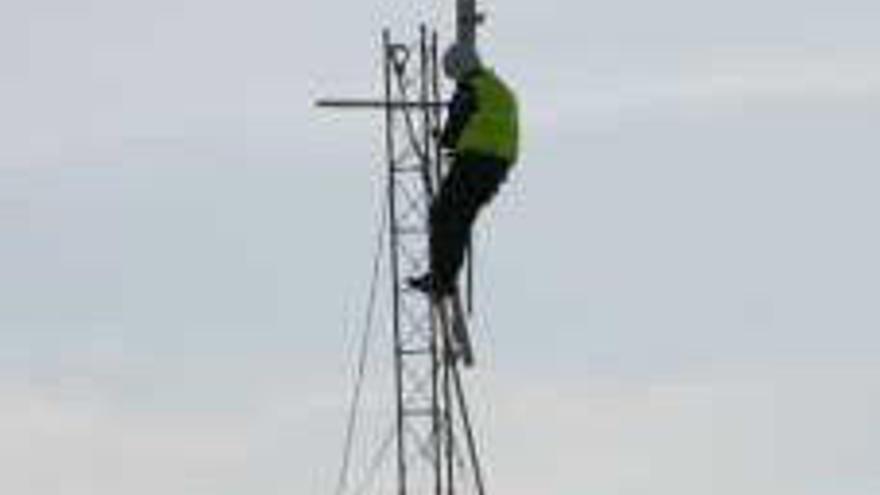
(468, 19)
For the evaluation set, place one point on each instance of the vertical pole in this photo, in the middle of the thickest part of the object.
(394, 240)
(469, 434)
(470, 273)
(467, 20)
(446, 357)
(449, 426)
(424, 94)
(428, 68)
(438, 111)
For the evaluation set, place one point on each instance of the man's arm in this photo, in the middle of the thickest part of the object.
(461, 108)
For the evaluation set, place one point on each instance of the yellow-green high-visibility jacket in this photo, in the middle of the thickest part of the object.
(494, 128)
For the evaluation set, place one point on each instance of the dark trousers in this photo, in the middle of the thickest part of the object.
(472, 181)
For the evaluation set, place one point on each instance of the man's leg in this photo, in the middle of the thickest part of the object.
(449, 227)
(472, 183)
(485, 177)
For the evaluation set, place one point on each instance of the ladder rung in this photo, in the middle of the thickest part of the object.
(412, 231)
(418, 412)
(416, 351)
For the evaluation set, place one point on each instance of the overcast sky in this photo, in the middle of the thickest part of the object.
(679, 288)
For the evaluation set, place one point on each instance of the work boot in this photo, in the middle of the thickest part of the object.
(424, 283)
(428, 284)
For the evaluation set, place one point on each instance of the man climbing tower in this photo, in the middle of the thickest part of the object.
(482, 136)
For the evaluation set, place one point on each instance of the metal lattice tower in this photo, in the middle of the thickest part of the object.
(435, 448)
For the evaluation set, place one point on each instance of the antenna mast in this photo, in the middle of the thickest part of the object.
(436, 452)
(467, 21)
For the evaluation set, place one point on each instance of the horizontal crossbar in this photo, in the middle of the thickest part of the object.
(378, 104)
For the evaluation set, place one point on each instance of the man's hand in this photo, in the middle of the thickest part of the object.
(461, 108)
